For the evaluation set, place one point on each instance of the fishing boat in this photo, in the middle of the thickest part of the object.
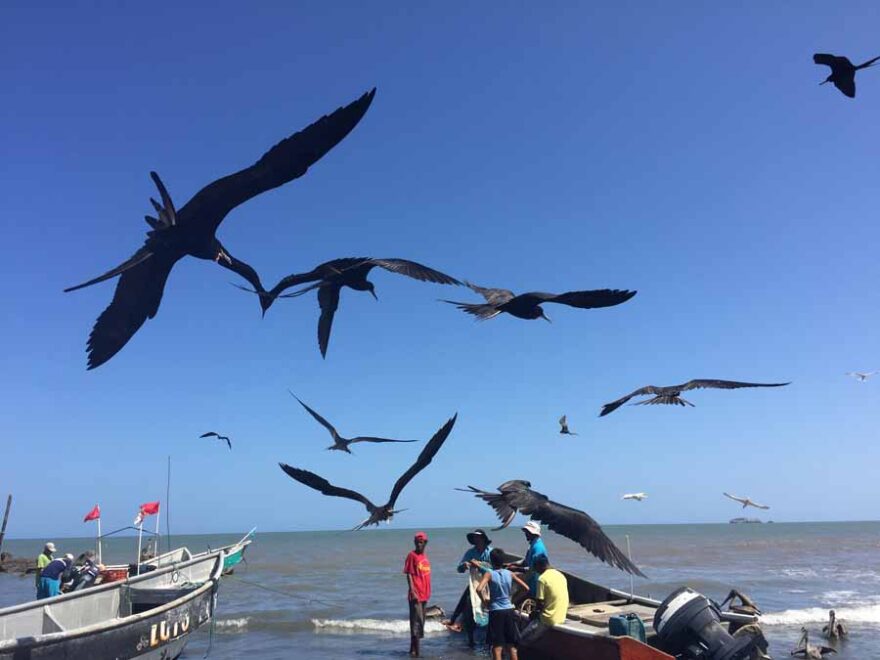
(149, 616)
(585, 633)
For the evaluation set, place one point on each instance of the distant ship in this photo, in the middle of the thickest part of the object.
(734, 521)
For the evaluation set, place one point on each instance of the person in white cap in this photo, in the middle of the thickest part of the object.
(532, 530)
(42, 561)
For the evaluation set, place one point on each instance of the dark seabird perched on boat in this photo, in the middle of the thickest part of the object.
(330, 277)
(745, 501)
(843, 72)
(806, 650)
(386, 511)
(528, 305)
(517, 496)
(214, 434)
(835, 628)
(191, 230)
(340, 443)
(564, 430)
(671, 394)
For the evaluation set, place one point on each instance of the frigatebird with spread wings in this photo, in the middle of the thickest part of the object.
(517, 496)
(843, 72)
(214, 434)
(528, 305)
(385, 511)
(192, 230)
(671, 394)
(340, 443)
(329, 278)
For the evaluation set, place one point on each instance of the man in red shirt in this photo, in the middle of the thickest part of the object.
(417, 569)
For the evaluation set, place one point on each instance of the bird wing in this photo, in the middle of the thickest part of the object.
(136, 299)
(316, 275)
(286, 161)
(323, 422)
(415, 270)
(582, 299)
(209, 434)
(563, 422)
(423, 459)
(492, 296)
(576, 525)
(722, 384)
(228, 442)
(320, 484)
(614, 405)
(741, 500)
(136, 259)
(758, 506)
(829, 60)
(483, 311)
(367, 438)
(846, 85)
(328, 299)
(498, 502)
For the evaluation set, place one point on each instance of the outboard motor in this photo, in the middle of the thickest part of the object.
(689, 625)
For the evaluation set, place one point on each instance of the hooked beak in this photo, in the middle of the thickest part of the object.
(374, 294)
(545, 317)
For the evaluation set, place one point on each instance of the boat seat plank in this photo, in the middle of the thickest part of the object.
(597, 614)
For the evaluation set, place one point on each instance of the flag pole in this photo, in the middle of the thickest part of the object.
(158, 515)
(140, 537)
(99, 541)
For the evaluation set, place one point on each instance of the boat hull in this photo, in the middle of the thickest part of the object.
(559, 644)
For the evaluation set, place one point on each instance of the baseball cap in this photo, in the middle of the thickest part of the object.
(420, 536)
(50, 546)
(532, 527)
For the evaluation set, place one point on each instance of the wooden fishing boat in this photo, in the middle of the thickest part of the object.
(585, 633)
(149, 616)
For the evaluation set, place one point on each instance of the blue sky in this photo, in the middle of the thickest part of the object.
(682, 150)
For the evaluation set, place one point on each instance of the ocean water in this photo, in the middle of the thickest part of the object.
(328, 595)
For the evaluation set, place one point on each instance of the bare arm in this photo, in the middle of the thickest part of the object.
(484, 580)
(412, 591)
(519, 581)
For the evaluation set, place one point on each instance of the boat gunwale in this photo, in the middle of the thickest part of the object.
(118, 622)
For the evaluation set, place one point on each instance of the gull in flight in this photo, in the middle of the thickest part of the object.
(745, 501)
(861, 376)
(634, 496)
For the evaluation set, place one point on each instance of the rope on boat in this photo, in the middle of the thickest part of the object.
(307, 599)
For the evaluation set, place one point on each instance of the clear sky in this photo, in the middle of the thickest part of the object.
(685, 150)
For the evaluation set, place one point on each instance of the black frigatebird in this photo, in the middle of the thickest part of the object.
(191, 230)
(671, 394)
(386, 511)
(564, 430)
(340, 443)
(843, 72)
(528, 305)
(517, 495)
(214, 434)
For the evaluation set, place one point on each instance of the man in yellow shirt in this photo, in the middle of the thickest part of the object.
(43, 561)
(552, 600)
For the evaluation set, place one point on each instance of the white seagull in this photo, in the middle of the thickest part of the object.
(861, 376)
(634, 496)
(745, 501)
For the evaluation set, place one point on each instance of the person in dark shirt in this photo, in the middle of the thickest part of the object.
(50, 578)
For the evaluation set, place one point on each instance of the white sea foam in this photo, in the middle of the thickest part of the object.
(231, 625)
(385, 626)
(864, 613)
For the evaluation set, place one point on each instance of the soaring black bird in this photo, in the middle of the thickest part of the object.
(191, 231)
(212, 434)
(563, 423)
(340, 443)
(386, 511)
(528, 305)
(671, 393)
(330, 277)
(843, 72)
(517, 495)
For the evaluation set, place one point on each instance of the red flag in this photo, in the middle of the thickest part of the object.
(94, 514)
(148, 509)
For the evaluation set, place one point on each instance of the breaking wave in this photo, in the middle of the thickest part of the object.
(231, 625)
(865, 613)
(382, 626)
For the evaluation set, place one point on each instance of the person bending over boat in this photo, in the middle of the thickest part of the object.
(532, 530)
(417, 569)
(503, 631)
(42, 561)
(477, 556)
(50, 578)
(551, 599)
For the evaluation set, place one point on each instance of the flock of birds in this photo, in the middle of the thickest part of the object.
(191, 231)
